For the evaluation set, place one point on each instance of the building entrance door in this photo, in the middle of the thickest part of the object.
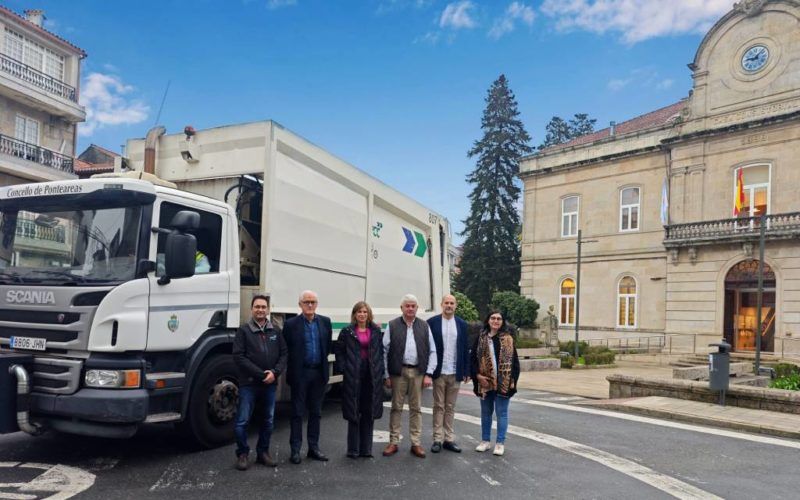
(741, 314)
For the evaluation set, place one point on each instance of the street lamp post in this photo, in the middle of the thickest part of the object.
(759, 295)
(578, 293)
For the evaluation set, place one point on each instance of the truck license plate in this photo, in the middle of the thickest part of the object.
(29, 343)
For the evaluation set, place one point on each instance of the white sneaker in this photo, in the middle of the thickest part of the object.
(499, 449)
(483, 446)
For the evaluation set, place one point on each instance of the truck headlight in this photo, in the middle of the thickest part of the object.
(113, 379)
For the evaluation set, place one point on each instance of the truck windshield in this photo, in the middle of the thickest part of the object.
(60, 245)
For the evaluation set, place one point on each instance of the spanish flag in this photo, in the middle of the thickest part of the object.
(738, 202)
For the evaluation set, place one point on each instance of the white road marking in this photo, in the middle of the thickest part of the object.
(380, 436)
(563, 398)
(64, 482)
(489, 480)
(16, 496)
(664, 423)
(174, 477)
(667, 484)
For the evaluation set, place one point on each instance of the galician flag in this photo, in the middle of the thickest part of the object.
(665, 202)
(738, 201)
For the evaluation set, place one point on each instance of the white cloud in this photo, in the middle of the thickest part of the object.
(431, 37)
(647, 78)
(517, 11)
(665, 84)
(107, 104)
(618, 83)
(636, 20)
(388, 6)
(277, 4)
(457, 15)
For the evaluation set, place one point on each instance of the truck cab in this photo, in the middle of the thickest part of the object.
(91, 289)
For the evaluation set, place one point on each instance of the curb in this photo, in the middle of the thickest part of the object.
(696, 419)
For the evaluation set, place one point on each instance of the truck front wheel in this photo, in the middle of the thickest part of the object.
(212, 403)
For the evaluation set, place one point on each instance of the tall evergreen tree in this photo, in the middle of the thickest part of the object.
(581, 124)
(560, 131)
(490, 260)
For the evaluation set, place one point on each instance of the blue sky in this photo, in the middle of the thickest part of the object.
(395, 87)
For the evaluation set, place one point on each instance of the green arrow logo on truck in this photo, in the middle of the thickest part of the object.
(414, 239)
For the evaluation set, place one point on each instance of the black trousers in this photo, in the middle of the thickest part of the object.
(307, 399)
(359, 434)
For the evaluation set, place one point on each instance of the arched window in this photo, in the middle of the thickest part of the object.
(567, 302)
(626, 302)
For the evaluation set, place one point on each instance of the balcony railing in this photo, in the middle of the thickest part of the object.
(777, 226)
(32, 152)
(35, 77)
(27, 228)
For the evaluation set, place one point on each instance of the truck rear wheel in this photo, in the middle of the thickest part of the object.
(213, 401)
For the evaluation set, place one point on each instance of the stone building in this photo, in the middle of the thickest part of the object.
(655, 195)
(39, 110)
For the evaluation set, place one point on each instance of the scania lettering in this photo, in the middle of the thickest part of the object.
(106, 324)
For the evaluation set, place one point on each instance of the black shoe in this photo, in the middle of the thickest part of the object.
(317, 455)
(452, 446)
(242, 463)
(265, 458)
(437, 447)
(295, 458)
(352, 455)
(366, 455)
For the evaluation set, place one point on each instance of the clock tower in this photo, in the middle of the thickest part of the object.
(747, 66)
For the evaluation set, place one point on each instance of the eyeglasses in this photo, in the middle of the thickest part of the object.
(495, 318)
(308, 302)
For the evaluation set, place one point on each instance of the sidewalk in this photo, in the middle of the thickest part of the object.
(591, 383)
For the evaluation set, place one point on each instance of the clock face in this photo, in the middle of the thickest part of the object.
(755, 58)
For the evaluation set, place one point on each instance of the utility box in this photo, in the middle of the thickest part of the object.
(719, 368)
(8, 390)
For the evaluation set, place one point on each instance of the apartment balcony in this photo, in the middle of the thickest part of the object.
(33, 162)
(725, 231)
(39, 90)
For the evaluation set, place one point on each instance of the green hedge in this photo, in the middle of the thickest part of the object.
(528, 343)
(786, 369)
(790, 382)
(567, 361)
(599, 358)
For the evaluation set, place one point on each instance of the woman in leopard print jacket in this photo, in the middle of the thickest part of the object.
(495, 371)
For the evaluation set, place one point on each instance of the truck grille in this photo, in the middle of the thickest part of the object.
(49, 335)
(55, 375)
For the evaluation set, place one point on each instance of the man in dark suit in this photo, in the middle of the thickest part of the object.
(308, 338)
(450, 336)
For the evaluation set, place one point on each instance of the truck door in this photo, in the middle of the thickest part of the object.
(182, 310)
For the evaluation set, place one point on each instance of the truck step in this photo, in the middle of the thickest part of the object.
(160, 418)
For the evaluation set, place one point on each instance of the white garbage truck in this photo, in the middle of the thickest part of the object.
(107, 318)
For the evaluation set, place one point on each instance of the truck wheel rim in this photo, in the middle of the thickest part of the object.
(222, 401)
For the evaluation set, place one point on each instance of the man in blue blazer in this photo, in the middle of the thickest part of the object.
(308, 340)
(450, 336)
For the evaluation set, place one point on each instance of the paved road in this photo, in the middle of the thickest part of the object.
(557, 448)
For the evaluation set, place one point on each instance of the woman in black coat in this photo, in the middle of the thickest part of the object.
(359, 357)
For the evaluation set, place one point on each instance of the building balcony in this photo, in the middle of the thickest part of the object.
(22, 82)
(727, 231)
(34, 162)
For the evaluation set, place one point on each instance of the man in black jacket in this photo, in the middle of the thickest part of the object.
(308, 338)
(260, 354)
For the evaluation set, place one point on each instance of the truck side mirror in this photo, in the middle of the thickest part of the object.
(179, 256)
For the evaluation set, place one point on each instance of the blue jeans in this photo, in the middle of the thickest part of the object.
(248, 395)
(491, 403)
